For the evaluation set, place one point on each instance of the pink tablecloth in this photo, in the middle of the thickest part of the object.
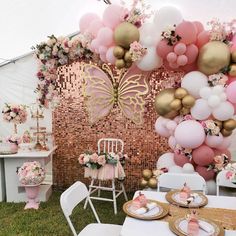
(106, 172)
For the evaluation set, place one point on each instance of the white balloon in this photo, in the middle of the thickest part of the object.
(218, 89)
(223, 97)
(224, 111)
(194, 81)
(175, 169)
(188, 168)
(211, 187)
(205, 92)
(167, 16)
(214, 101)
(201, 110)
(150, 61)
(148, 35)
(166, 161)
(160, 127)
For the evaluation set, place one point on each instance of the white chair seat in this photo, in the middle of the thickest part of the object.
(101, 230)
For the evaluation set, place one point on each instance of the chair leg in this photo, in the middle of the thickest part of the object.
(94, 211)
(123, 189)
(99, 190)
(90, 189)
(114, 196)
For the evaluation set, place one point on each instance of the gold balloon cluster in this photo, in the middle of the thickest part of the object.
(125, 34)
(226, 127)
(171, 102)
(148, 179)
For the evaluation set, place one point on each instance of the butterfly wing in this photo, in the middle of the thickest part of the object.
(131, 92)
(98, 92)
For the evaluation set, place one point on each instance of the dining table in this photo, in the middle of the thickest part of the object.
(138, 227)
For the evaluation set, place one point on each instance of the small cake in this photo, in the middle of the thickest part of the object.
(193, 224)
(184, 193)
(138, 202)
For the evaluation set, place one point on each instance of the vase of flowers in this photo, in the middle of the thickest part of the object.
(31, 175)
(14, 140)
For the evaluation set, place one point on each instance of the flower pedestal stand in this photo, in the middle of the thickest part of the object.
(32, 192)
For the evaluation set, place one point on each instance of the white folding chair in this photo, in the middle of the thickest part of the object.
(177, 180)
(71, 198)
(108, 145)
(223, 182)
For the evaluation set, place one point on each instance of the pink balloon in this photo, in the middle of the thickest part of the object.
(103, 57)
(171, 57)
(199, 26)
(110, 56)
(94, 27)
(105, 36)
(230, 79)
(171, 125)
(206, 174)
(189, 67)
(182, 60)
(94, 45)
(225, 143)
(163, 48)
(191, 53)
(102, 50)
(112, 16)
(180, 48)
(180, 159)
(172, 142)
(160, 127)
(203, 155)
(233, 47)
(203, 38)
(213, 140)
(231, 92)
(184, 134)
(174, 65)
(224, 151)
(85, 21)
(187, 31)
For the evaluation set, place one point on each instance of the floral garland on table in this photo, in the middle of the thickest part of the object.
(231, 172)
(14, 113)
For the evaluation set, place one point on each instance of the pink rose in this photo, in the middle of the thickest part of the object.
(228, 174)
(94, 158)
(102, 160)
(81, 159)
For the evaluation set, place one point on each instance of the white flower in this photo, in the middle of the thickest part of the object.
(41, 56)
(48, 49)
(86, 159)
(12, 114)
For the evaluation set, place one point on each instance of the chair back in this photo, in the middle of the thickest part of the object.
(177, 180)
(71, 197)
(222, 181)
(110, 145)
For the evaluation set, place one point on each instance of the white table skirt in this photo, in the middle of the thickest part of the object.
(135, 227)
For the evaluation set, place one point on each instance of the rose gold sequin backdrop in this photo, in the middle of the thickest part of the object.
(74, 134)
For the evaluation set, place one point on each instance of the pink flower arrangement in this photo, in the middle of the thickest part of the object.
(219, 163)
(31, 173)
(210, 127)
(15, 139)
(184, 151)
(137, 51)
(231, 172)
(217, 79)
(13, 113)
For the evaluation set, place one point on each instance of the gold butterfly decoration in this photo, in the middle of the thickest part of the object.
(104, 90)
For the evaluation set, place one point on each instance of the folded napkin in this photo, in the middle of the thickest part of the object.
(204, 226)
(144, 210)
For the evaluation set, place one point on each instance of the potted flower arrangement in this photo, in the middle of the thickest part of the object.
(31, 175)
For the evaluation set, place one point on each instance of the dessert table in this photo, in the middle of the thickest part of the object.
(135, 227)
(10, 187)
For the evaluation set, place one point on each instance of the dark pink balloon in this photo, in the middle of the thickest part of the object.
(199, 26)
(230, 79)
(225, 151)
(163, 48)
(188, 68)
(180, 160)
(203, 155)
(206, 174)
(203, 38)
(191, 53)
(187, 31)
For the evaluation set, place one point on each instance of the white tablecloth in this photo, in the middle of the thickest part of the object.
(135, 227)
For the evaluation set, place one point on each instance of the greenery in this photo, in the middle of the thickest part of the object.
(49, 219)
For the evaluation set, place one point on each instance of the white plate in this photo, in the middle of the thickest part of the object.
(153, 212)
(197, 200)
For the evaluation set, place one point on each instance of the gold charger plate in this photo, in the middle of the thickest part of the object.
(172, 200)
(174, 227)
(162, 212)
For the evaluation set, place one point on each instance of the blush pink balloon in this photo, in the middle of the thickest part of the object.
(203, 38)
(171, 125)
(180, 48)
(213, 140)
(94, 27)
(223, 151)
(112, 16)
(163, 49)
(171, 57)
(110, 56)
(86, 19)
(225, 143)
(184, 134)
(233, 47)
(103, 57)
(160, 127)
(105, 36)
(94, 45)
(231, 92)
(180, 159)
(187, 31)
(199, 26)
(203, 155)
(102, 50)
(191, 53)
(182, 60)
(205, 173)
(172, 142)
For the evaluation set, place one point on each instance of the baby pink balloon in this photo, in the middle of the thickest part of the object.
(191, 53)
(85, 21)
(171, 125)
(213, 140)
(203, 155)
(172, 142)
(184, 134)
(182, 60)
(94, 27)
(102, 50)
(225, 143)
(180, 159)
(103, 57)
(160, 127)
(171, 57)
(203, 38)
(205, 173)
(231, 92)
(94, 45)
(112, 16)
(105, 36)
(163, 49)
(187, 31)
(110, 56)
(180, 48)
(199, 26)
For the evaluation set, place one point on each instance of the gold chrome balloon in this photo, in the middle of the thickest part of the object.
(120, 63)
(143, 183)
(233, 56)
(152, 183)
(125, 34)
(213, 57)
(180, 93)
(147, 174)
(232, 70)
(229, 124)
(128, 57)
(176, 104)
(226, 132)
(184, 111)
(188, 101)
(118, 52)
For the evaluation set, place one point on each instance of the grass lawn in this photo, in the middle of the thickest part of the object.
(49, 219)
